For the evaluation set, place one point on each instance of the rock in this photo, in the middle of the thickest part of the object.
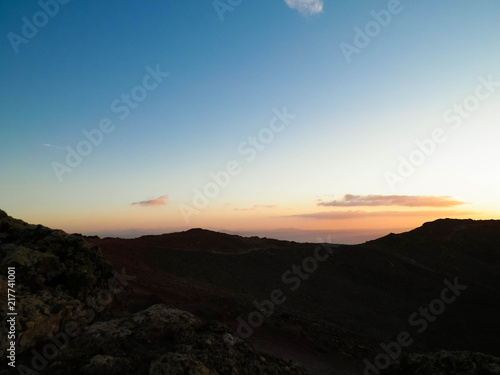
(446, 363)
(55, 273)
(162, 340)
(177, 363)
(105, 364)
(62, 284)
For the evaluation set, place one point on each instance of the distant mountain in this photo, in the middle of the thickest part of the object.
(196, 239)
(358, 297)
(69, 316)
(335, 307)
(478, 238)
(467, 249)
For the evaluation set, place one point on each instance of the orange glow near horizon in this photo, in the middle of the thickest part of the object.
(164, 219)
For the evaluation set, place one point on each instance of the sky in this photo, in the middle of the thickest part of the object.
(287, 118)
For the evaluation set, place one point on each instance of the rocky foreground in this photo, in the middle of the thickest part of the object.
(160, 340)
(55, 276)
(68, 317)
(445, 363)
(74, 316)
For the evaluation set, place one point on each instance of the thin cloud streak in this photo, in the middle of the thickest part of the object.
(160, 201)
(255, 207)
(351, 200)
(52, 146)
(341, 215)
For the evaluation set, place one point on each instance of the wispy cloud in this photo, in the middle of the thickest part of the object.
(160, 201)
(350, 200)
(306, 7)
(52, 146)
(255, 207)
(341, 215)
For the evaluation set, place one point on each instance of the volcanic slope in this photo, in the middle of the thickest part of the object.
(358, 297)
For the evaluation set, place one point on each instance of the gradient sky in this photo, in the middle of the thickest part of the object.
(229, 72)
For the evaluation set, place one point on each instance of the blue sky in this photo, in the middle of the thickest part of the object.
(226, 78)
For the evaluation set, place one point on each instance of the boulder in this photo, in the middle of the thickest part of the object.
(446, 363)
(163, 340)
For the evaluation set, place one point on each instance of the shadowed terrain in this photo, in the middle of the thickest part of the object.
(178, 302)
(360, 296)
(72, 317)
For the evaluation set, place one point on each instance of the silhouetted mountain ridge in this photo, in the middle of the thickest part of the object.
(200, 240)
(345, 304)
(67, 294)
(467, 246)
(473, 234)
